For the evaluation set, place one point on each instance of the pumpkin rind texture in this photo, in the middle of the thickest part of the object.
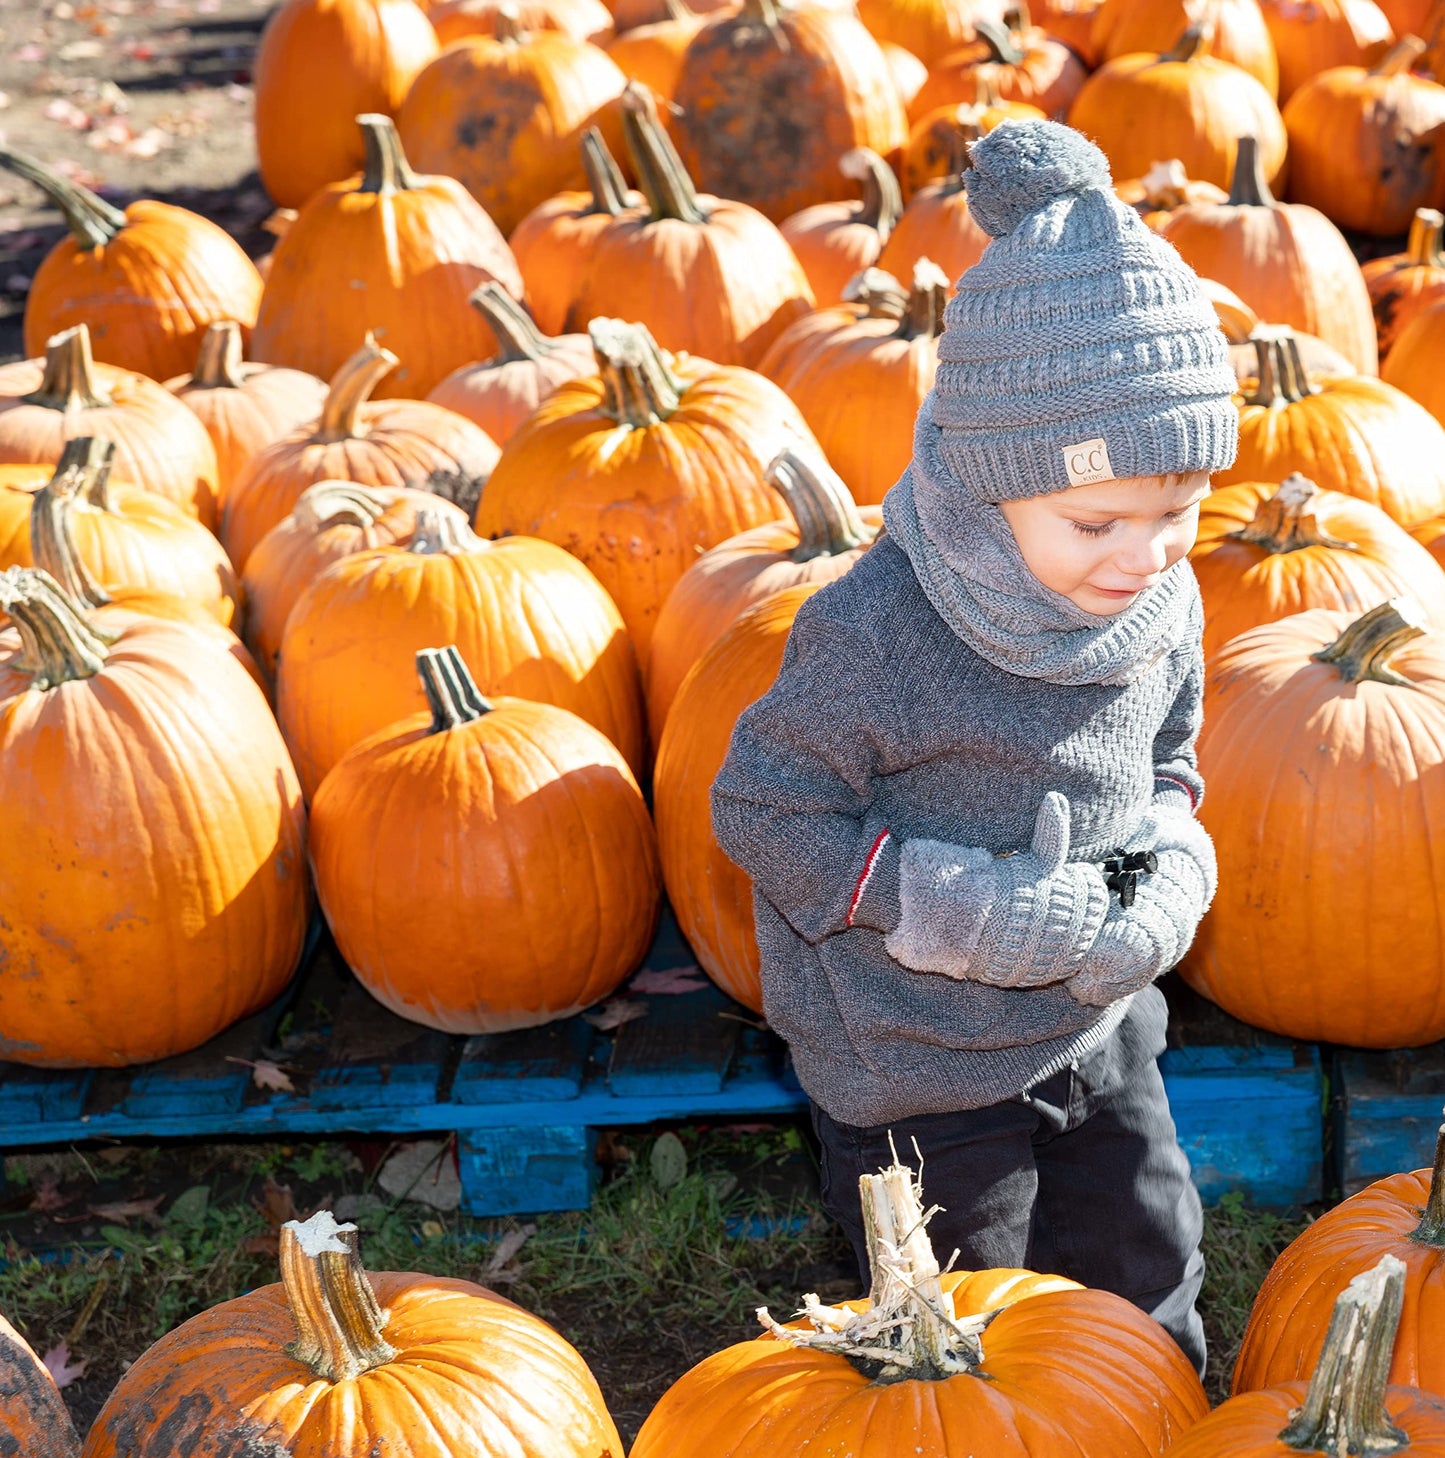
(33, 1420)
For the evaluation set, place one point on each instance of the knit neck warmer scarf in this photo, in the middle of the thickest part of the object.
(968, 563)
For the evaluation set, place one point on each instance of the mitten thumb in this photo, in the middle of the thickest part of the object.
(1051, 832)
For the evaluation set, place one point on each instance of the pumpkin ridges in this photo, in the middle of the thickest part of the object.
(34, 1416)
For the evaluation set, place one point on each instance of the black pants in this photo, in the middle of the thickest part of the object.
(1081, 1176)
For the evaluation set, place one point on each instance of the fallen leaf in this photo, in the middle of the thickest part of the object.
(507, 1248)
(277, 1204)
(62, 1370)
(122, 1211)
(614, 1012)
(47, 1195)
(669, 980)
(266, 1074)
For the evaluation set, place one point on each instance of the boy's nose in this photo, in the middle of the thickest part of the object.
(1143, 557)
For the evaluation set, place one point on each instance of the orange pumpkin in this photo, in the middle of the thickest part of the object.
(33, 1419)
(1313, 724)
(629, 15)
(1311, 36)
(652, 54)
(1072, 21)
(320, 64)
(932, 152)
(394, 253)
(159, 443)
(584, 20)
(147, 281)
(1414, 363)
(1238, 33)
(1287, 261)
(1364, 145)
(374, 442)
(159, 893)
(1349, 433)
(504, 115)
(822, 536)
(927, 28)
(908, 72)
(561, 863)
(334, 1359)
(1264, 552)
(529, 617)
(835, 240)
(664, 458)
(831, 360)
(499, 393)
(277, 224)
(1402, 1215)
(1071, 1371)
(771, 97)
(244, 407)
(1181, 103)
(333, 519)
(1163, 190)
(1023, 63)
(1404, 284)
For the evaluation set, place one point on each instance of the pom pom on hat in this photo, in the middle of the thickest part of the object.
(1022, 166)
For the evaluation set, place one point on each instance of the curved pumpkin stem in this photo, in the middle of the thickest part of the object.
(604, 176)
(1400, 57)
(1001, 47)
(1248, 187)
(92, 221)
(1281, 378)
(507, 26)
(52, 543)
(764, 12)
(1344, 1408)
(1431, 1229)
(923, 316)
(640, 387)
(338, 1318)
(828, 521)
(68, 383)
(880, 294)
(57, 644)
(956, 134)
(218, 364)
(386, 169)
(442, 534)
(1423, 248)
(341, 501)
(1364, 649)
(882, 199)
(1285, 522)
(665, 183)
(350, 388)
(451, 692)
(1164, 185)
(1193, 42)
(516, 330)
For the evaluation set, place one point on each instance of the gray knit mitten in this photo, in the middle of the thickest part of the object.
(1019, 920)
(1141, 942)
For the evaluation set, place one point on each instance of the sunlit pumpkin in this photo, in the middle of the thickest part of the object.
(928, 29)
(1414, 363)
(1238, 33)
(835, 240)
(1019, 63)
(932, 151)
(1311, 36)
(586, 20)
(1404, 284)
(652, 54)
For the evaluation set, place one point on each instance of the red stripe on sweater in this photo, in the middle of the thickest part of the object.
(874, 851)
(1171, 780)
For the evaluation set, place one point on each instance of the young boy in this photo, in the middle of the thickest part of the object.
(1002, 695)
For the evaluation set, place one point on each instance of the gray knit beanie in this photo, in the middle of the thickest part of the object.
(1080, 348)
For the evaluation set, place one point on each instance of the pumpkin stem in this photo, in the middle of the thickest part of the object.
(923, 316)
(442, 533)
(516, 331)
(1002, 50)
(68, 383)
(1400, 57)
(664, 181)
(338, 1318)
(1344, 1408)
(340, 501)
(218, 364)
(278, 224)
(1285, 522)
(386, 169)
(57, 644)
(1281, 378)
(507, 26)
(350, 388)
(908, 1330)
(1364, 649)
(1192, 43)
(882, 200)
(52, 543)
(955, 134)
(1423, 248)
(1164, 184)
(1018, 16)
(828, 521)
(92, 221)
(1431, 1229)
(640, 387)
(1248, 187)
(763, 12)
(880, 294)
(604, 176)
(451, 691)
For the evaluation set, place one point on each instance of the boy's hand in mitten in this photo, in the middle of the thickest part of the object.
(1019, 920)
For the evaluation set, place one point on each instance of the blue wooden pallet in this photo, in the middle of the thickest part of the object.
(1388, 1107)
(526, 1106)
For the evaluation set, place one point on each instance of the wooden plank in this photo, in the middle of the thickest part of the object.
(524, 1171)
(1387, 1112)
(683, 1046)
(41, 1095)
(531, 1064)
(376, 1059)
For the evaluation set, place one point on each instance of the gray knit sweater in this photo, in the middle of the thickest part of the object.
(883, 718)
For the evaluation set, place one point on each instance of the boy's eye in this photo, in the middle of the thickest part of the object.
(1092, 529)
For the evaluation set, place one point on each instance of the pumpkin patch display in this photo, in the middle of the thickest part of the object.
(1021, 63)
(1414, 363)
(33, 1419)
(1317, 35)
(652, 54)
(158, 887)
(147, 281)
(1312, 723)
(529, 619)
(928, 29)
(541, 800)
(321, 63)
(1237, 32)
(334, 1359)
(638, 469)
(1401, 285)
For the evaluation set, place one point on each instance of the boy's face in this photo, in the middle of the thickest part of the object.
(1100, 546)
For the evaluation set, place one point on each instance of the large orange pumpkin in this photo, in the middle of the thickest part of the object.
(157, 891)
(1349, 433)
(1324, 750)
(374, 442)
(334, 1360)
(1023, 64)
(319, 65)
(560, 868)
(1404, 284)
(504, 115)
(33, 1419)
(831, 360)
(1311, 36)
(927, 29)
(704, 274)
(822, 536)
(1414, 363)
(529, 618)
(1238, 33)
(640, 468)
(1059, 1372)
(159, 443)
(147, 281)
(1402, 1215)
(772, 96)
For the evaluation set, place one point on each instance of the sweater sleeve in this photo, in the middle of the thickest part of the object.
(1176, 766)
(792, 804)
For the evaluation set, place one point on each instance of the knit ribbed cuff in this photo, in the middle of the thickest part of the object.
(1050, 925)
